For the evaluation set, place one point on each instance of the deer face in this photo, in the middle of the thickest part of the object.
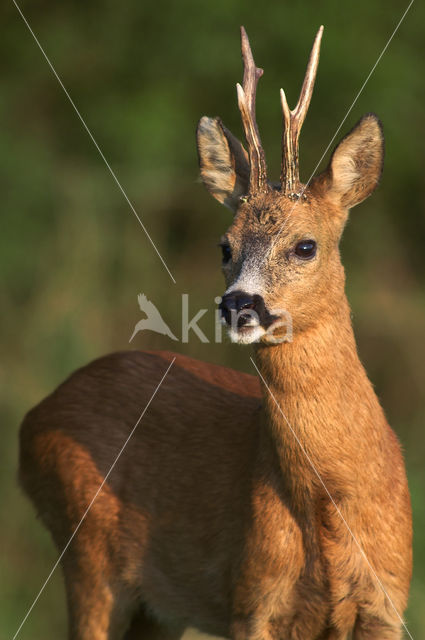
(278, 258)
(280, 254)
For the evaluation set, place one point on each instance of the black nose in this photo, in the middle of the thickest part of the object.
(233, 304)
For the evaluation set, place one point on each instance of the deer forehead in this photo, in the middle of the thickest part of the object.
(273, 218)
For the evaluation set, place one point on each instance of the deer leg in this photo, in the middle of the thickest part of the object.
(95, 611)
(369, 627)
(342, 621)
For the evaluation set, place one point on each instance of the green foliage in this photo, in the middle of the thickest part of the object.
(73, 256)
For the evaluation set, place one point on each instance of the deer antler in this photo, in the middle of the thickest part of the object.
(293, 121)
(246, 102)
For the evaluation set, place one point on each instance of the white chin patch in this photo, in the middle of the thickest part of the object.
(246, 334)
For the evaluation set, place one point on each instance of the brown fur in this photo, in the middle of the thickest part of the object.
(214, 516)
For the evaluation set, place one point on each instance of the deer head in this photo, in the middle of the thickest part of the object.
(280, 254)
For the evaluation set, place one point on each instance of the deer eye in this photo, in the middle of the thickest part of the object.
(306, 249)
(226, 251)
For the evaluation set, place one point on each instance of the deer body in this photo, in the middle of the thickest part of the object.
(197, 492)
(278, 512)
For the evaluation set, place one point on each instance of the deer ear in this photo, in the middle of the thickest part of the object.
(223, 162)
(356, 164)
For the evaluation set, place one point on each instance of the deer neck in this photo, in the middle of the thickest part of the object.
(312, 423)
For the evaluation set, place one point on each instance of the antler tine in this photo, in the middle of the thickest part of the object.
(293, 121)
(246, 101)
(303, 103)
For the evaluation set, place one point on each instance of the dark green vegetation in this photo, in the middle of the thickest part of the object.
(73, 257)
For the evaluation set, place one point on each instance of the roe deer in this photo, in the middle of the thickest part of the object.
(272, 511)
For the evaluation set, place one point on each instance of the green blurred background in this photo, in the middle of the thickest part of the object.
(73, 257)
